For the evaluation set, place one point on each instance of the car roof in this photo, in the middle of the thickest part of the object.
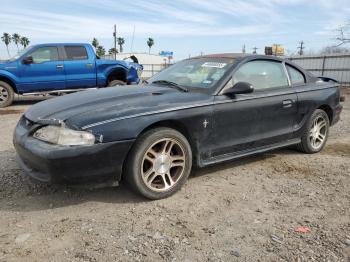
(239, 56)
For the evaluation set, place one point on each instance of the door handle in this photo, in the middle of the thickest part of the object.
(59, 66)
(89, 65)
(287, 103)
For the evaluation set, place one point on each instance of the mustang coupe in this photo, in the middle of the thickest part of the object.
(198, 112)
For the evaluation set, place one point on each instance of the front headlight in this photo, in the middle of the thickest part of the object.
(139, 72)
(64, 136)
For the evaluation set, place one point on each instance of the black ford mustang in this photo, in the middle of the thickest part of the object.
(200, 111)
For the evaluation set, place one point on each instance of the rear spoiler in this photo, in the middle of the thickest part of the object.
(327, 79)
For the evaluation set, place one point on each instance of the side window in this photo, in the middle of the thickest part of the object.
(262, 74)
(44, 54)
(76, 52)
(296, 77)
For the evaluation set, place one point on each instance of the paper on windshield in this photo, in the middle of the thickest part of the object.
(214, 64)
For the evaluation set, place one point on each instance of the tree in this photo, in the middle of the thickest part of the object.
(6, 38)
(343, 35)
(24, 41)
(16, 39)
(150, 43)
(334, 50)
(95, 43)
(112, 51)
(100, 51)
(121, 42)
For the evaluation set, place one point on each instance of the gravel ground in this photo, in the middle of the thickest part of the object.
(245, 210)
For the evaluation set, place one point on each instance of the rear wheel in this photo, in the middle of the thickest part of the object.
(116, 83)
(159, 163)
(316, 133)
(6, 94)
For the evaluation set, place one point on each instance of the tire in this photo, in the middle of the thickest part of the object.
(6, 94)
(159, 163)
(311, 140)
(116, 83)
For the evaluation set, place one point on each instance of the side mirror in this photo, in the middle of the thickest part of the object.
(239, 88)
(28, 60)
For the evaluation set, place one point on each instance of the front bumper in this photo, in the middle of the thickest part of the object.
(76, 164)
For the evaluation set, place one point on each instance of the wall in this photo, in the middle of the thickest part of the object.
(333, 66)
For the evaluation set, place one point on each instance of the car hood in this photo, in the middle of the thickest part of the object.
(4, 64)
(82, 109)
(117, 62)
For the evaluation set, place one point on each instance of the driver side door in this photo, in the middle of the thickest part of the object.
(263, 118)
(45, 73)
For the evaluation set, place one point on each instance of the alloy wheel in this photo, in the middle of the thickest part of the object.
(318, 132)
(163, 164)
(3, 94)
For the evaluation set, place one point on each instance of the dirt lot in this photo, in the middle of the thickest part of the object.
(245, 210)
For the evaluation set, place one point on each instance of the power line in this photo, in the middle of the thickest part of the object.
(115, 41)
(301, 48)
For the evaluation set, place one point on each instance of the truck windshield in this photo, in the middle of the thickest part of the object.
(20, 53)
(195, 73)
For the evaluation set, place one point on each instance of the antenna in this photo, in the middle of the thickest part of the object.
(132, 40)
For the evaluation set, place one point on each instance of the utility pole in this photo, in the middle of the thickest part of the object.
(254, 50)
(301, 48)
(115, 42)
(243, 49)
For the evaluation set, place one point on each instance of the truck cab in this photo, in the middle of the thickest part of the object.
(61, 68)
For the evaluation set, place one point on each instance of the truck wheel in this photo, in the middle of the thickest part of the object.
(159, 163)
(316, 133)
(6, 94)
(116, 83)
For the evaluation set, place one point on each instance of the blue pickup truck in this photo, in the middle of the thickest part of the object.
(61, 68)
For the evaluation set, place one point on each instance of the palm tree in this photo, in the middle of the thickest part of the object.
(150, 43)
(112, 51)
(24, 41)
(16, 39)
(95, 43)
(100, 51)
(121, 42)
(6, 38)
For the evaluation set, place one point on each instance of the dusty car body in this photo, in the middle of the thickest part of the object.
(220, 119)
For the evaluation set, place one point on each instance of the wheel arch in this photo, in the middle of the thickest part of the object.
(328, 111)
(117, 73)
(10, 82)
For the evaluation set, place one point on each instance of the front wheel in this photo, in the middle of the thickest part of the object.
(159, 163)
(316, 133)
(116, 83)
(6, 94)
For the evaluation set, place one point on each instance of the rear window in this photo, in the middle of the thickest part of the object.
(296, 77)
(76, 53)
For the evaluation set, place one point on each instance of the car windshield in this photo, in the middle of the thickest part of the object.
(201, 73)
(20, 53)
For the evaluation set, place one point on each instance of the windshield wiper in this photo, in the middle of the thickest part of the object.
(171, 84)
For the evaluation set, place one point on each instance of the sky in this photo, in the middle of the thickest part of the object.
(186, 27)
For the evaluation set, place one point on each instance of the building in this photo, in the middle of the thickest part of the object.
(152, 63)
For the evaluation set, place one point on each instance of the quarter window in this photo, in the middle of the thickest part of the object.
(76, 53)
(262, 74)
(296, 77)
(45, 54)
